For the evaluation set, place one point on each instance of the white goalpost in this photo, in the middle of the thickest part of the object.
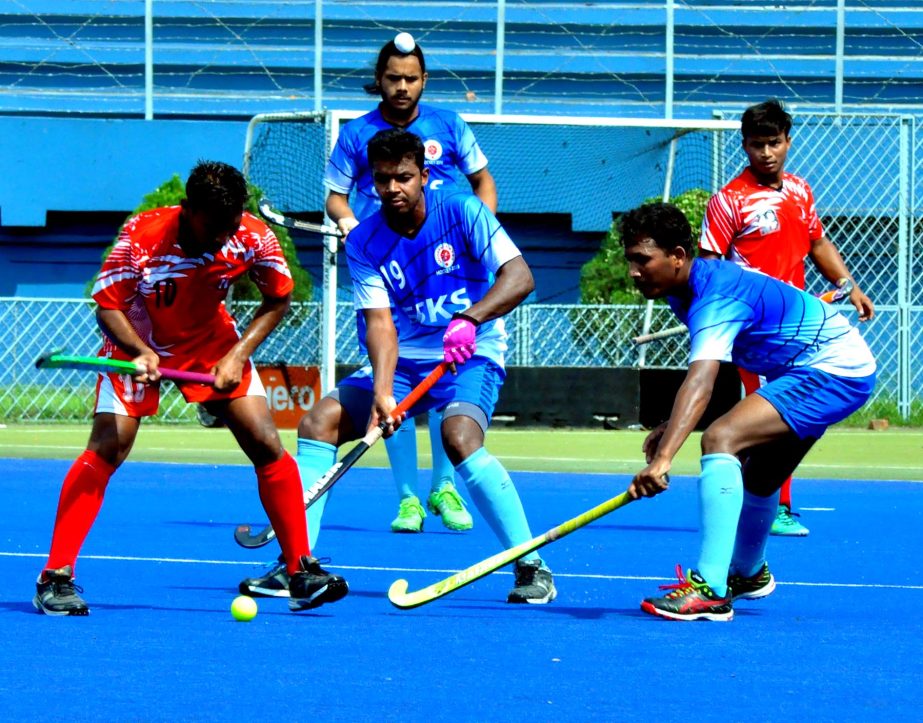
(587, 167)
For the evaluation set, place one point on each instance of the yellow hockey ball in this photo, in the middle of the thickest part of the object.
(243, 608)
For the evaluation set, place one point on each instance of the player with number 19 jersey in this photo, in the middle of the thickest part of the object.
(444, 269)
(762, 227)
(448, 144)
(175, 302)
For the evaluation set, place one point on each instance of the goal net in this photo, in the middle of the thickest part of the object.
(586, 168)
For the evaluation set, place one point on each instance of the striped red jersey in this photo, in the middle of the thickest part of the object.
(764, 228)
(176, 302)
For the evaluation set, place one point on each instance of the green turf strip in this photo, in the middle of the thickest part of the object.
(841, 454)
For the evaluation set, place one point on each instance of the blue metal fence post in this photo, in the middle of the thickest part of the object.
(148, 59)
(903, 269)
(501, 45)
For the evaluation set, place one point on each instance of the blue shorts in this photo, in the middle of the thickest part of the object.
(473, 392)
(810, 400)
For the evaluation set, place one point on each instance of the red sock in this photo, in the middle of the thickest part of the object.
(283, 500)
(79, 503)
(785, 494)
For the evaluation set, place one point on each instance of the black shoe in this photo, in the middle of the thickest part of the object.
(752, 588)
(312, 586)
(534, 583)
(56, 593)
(273, 584)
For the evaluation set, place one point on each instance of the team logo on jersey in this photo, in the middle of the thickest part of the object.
(445, 257)
(767, 220)
(432, 150)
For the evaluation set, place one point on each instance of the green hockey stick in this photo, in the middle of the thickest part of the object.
(102, 365)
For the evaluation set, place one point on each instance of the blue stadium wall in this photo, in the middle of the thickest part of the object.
(67, 184)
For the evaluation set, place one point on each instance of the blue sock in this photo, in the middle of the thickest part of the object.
(402, 453)
(495, 496)
(720, 499)
(443, 471)
(314, 458)
(753, 533)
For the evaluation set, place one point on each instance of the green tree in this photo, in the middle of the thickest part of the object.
(171, 192)
(604, 278)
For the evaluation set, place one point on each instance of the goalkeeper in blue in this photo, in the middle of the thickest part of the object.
(818, 368)
(450, 272)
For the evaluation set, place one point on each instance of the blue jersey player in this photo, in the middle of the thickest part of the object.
(450, 272)
(452, 156)
(818, 370)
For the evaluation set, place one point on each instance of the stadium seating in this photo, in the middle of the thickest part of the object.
(238, 58)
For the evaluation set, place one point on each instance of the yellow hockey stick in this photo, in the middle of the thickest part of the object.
(400, 598)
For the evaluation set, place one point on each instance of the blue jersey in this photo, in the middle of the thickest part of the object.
(766, 326)
(448, 266)
(448, 143)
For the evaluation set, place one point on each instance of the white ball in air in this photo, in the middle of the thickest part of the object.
(404, 42)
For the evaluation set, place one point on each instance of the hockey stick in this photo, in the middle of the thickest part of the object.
(400, 598)
(662, 334)
(842, 291)
(102, 365)
(267, 212)
(242, 534)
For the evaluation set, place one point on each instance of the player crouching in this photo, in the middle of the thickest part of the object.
(818, 369)
(161, 293)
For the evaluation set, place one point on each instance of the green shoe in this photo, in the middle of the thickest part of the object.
(786, 525)
(448, 504)
(410, 516)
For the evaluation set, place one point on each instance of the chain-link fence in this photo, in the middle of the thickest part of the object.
(540, 336)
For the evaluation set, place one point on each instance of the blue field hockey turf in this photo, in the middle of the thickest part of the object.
(838, 640)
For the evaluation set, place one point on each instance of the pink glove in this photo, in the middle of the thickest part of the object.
(458, 342)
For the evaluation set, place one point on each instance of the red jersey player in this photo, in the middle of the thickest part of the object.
(765, 219)
(160, 294)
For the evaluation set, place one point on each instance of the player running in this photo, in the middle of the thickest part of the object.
(765, 219)
(161, 295)
(818, 369)
(432, 257)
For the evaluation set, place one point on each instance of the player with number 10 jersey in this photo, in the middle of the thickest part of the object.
(176, 302)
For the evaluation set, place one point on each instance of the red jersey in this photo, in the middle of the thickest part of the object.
(176, 302)
(762, 227)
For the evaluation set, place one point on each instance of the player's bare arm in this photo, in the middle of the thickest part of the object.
(513, 284)
(829, 262)
(381, 338)
(484, 187)
(691, 400)
(116, 326)
(230, 369)
(340, 213)
(703, 254)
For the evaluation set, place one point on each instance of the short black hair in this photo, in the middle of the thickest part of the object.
(765, 119)
(216, 188)
(393, 144)
(388, 51)
(662, 222)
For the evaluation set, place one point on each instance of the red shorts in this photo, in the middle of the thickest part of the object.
(121, 394)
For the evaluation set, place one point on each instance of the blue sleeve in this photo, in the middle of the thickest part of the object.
(471, 158)
(714, 324)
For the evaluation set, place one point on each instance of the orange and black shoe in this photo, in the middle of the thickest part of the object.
(690, 599)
